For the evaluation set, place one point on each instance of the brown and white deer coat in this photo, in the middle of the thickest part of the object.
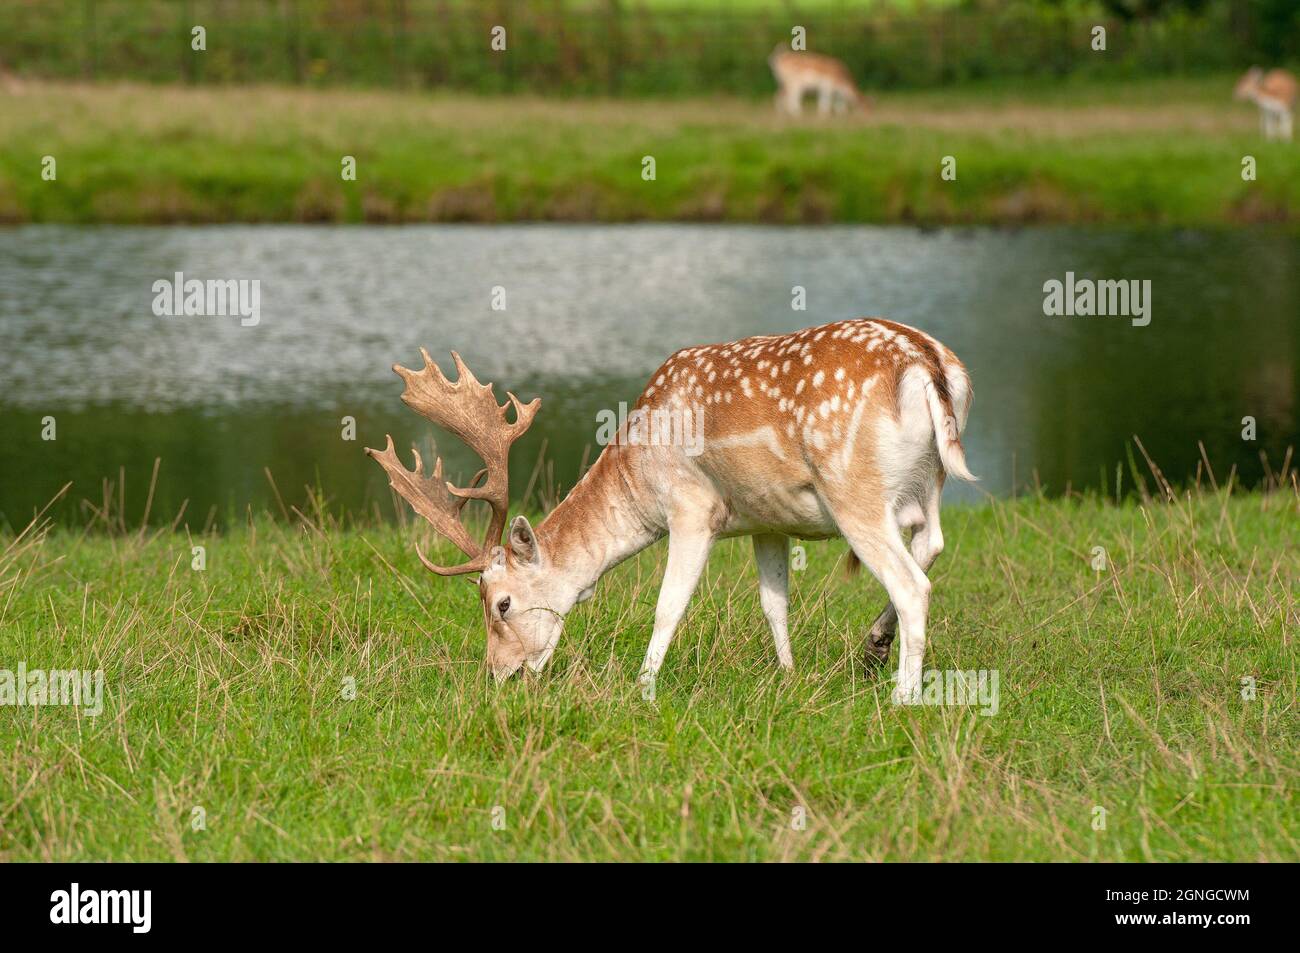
(1274, 93)
(799, 73)
(841, 430)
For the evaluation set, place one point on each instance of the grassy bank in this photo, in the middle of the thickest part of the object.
(1160, 152)
(1119, 689)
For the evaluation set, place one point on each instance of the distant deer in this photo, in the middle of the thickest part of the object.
(9, 82)
(1274, 93)
(800, 73)
(842, 430)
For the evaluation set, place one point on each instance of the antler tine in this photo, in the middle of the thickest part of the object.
(428, 496)
(469, 409)
(477, 564)
(497, 475)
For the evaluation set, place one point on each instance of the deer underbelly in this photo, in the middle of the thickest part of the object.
(792, 510)
(766, 488)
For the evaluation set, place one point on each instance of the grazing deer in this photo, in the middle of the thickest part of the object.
(799, 73)
(9, 82)
(842, 430)
(1274, 93)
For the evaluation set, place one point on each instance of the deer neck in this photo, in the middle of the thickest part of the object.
(604, 520)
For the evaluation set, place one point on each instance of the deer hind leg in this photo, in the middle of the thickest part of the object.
(924, 548)
(877, 542)
(825, 95)
(772, 553)
(881, 550)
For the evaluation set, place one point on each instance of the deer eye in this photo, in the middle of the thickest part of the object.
(504, 606)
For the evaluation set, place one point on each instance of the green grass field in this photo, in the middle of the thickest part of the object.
(1119, 689)
(1167, 152)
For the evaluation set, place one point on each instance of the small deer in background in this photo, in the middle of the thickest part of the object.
(1274, 93)
(800, 73)
(842, 430)
(9, 82)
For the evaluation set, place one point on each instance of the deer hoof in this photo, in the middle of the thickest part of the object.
(876, 651)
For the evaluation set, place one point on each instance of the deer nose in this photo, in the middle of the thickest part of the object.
(503, 670)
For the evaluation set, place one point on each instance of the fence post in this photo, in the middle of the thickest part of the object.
(187, 61)
(512, 37)
(399, 45)
(937, 47)
(91, 65)
(614, 33)
(295, 40)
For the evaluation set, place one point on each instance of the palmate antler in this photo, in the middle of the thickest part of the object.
(470, 411)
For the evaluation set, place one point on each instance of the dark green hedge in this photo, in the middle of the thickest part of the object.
(611, 46)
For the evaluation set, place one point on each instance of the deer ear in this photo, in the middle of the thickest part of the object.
(523, 543)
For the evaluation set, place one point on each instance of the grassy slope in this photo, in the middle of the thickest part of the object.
(1161, 151)
(1119, 690)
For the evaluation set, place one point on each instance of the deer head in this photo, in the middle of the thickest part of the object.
(522, 613)
(1248, 85)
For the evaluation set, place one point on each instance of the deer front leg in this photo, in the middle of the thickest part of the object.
(772, 553)
(794, 98)
(688, 552)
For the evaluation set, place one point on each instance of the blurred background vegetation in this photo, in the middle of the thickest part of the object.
(634, 47)
(1125, 153)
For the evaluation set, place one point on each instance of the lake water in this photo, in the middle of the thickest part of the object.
(590, 312)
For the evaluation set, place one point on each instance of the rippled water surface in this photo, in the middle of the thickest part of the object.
(590, 312)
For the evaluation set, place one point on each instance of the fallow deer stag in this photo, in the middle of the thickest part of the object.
(842, 430)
